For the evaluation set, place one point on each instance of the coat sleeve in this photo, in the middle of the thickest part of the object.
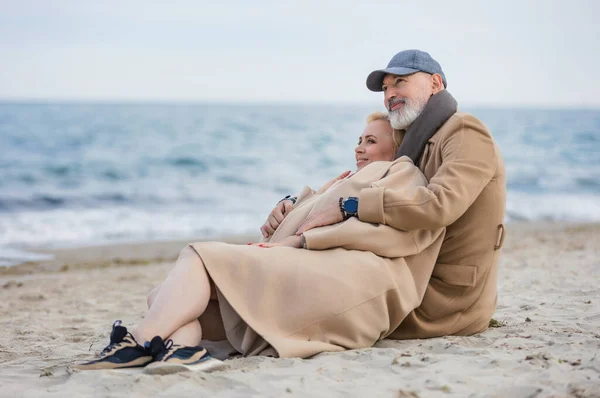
(381, 240)
(468, 164)
(306, 193)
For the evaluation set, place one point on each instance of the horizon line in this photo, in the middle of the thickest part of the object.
(199, 101)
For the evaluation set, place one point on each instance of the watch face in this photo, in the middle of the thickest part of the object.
(351, 205)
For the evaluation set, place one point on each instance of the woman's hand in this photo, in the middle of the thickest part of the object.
(296, 241)
(277, 215)
(331, 182)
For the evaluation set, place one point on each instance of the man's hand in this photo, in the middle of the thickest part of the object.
(277, 215)
(292, 241)
(331, 214)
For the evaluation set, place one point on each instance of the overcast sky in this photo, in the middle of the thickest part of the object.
(509, 52)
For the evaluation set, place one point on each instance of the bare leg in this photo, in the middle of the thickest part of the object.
(210, 324)
(152, 296)
(181, 299)
(188, 335)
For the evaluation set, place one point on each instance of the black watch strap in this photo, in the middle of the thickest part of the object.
(289, 197)
(345, 215)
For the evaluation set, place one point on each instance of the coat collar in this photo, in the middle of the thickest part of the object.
(437, 136)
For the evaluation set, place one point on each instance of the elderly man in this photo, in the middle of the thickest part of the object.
(466, 194)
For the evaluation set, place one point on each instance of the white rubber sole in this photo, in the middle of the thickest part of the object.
(165, 368)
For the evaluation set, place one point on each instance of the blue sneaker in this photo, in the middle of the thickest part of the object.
(122, 352)
(172, 358)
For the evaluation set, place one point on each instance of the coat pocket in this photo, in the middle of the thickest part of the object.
(458, 275)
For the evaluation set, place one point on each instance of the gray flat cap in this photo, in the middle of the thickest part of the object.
(405, 63)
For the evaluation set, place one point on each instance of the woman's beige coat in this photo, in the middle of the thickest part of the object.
(353, 286)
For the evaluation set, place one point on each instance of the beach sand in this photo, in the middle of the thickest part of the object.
(545, 341)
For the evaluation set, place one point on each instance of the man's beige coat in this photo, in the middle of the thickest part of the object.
(355, 285)
(466, 194)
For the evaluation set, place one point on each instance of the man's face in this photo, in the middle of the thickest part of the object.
(405, 97)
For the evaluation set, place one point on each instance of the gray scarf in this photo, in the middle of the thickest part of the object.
(438, 109)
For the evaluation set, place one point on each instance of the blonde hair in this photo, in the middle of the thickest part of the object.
(397, 135)
(378, 116)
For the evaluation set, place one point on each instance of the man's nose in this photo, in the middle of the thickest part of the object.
(388, 96)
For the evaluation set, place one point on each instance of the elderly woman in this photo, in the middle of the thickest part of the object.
(333, 288)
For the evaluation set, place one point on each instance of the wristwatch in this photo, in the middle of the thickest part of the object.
(349, 207)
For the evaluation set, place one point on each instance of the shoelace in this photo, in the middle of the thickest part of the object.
(166, 347)
(110, 347)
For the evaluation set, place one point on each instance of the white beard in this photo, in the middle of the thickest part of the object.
(401, 119)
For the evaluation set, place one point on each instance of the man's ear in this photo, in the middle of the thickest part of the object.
(437, 84)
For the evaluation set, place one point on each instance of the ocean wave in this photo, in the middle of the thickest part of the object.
(74, 174)
(522, 206)
(189, 163)
(77, 227)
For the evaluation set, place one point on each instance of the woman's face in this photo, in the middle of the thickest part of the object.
(375, 143)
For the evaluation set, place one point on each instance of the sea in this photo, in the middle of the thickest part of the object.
(79, 174)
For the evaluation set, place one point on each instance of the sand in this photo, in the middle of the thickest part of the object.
(545, 343)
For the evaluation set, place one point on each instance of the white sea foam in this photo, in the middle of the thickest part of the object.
(11, 256)
(553, 207)
(69, 228)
